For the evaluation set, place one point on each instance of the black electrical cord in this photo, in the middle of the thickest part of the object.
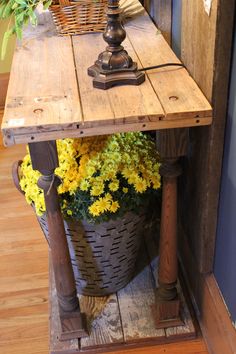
(161, 66)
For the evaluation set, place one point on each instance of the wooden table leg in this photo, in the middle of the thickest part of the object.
(171, 145)
(44, 159)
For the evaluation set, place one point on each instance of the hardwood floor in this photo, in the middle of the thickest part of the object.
(24, 275)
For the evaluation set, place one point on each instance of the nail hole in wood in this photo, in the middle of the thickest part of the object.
(197, 121)
(32, 137)
(144, 125)
(173, 98)
(38, 110)
(81, 132)
(160, 118)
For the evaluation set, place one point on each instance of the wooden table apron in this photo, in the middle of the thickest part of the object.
(53, 98)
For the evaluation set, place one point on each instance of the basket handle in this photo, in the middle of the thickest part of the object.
(64, 3)
(15, 175)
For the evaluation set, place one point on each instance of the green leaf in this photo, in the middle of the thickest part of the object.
(33, 17)
(2, 7)
(21, 2)
(8, 10)
(18, 30)
(5, 40)
(46, 4)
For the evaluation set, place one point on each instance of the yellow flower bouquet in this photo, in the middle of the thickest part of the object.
(102, 177)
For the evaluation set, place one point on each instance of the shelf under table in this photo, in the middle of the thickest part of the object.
(125, 319)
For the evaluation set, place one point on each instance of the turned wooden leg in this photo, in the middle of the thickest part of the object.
(168, 301)
(44, 159)
(171, 144)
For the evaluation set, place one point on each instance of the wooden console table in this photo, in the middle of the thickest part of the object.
(50, 96)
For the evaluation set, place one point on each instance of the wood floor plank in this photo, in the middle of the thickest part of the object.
(137, 301)
(103, 319)
(189, 347)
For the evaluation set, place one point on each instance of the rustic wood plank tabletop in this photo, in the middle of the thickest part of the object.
(51, 96)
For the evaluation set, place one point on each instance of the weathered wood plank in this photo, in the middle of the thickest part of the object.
(143, 124)
(161, 12)
(42, 88)
(197, 50)
(178, 93)
(137, 305)
(208, 59)
(103, 319)
(126, 103)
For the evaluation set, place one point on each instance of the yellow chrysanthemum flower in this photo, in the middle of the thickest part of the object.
(97, 189)
(94, 209)
(114, 185)
(84, 185)
(114, 206)
(133, 178)
(140, 185)
(104, 204)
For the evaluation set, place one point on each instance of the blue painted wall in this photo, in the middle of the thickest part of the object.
(225, 256)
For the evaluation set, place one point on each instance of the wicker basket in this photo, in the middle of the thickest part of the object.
(103, 256)
(79, 16)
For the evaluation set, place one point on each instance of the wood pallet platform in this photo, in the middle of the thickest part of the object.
(125, 319)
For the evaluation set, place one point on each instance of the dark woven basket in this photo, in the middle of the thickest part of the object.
(103, 255)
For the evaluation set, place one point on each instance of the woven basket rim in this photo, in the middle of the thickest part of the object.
(79, 2)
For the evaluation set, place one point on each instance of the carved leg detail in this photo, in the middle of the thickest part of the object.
(44, 158)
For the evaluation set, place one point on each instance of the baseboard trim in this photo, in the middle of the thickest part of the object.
(213, 316)
(4, 79)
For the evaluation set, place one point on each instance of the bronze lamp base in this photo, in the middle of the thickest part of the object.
(114, 66)
(105, 79)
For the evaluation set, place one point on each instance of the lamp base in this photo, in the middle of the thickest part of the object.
(105, 79)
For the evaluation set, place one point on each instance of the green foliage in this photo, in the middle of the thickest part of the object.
(19, 13)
